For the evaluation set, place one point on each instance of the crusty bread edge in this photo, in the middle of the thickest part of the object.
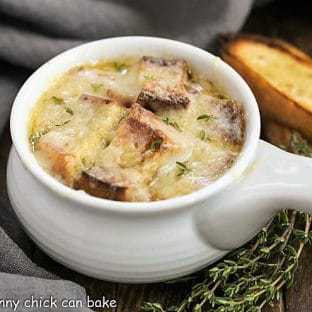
(273, 103)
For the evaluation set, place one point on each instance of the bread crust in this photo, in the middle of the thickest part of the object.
(273, 103)
(100, 183)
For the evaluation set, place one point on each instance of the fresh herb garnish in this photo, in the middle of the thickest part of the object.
(35, 137)
(203, 136)
(222, 97)
(96, 86)
(205, 117)
(149, 77)
(120, 67)
(182, 168)
(84, 161)
(63, 123)
(155, 145)
(172, 123)
(57, 100)
(69, 111)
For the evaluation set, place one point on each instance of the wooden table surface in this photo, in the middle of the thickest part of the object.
(288, 19)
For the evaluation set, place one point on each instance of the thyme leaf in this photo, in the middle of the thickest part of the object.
(149, 77)
(155, 145)
(63, 123)
(171, 123)
(120, 67)
(205, 117)
(57, 100)
(69, 111)
(96, 87)
(203, 136)
(182, 168)
(35, 137)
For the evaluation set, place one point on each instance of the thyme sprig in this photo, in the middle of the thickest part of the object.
(35, 137)
(255, 274)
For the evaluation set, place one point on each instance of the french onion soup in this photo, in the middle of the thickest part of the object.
(136, 129)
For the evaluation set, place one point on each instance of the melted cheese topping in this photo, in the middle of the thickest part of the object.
(80, 123)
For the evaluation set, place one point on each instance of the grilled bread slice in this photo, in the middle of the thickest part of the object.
(280, 76)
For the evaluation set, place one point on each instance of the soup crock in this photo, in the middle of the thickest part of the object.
(153, 241)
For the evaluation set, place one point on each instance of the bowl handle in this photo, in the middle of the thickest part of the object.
(277, 180)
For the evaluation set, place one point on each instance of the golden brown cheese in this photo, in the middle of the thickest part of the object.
(88, 131)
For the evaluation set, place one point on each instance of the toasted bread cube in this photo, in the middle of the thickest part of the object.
(113, 183)
(143, 135)
(229, 121)
(163, 84)
(65, 147)
(142, 145)
(61, 163)
(142, 128)
(101, 183)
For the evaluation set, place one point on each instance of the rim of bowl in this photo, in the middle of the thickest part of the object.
(243, 161)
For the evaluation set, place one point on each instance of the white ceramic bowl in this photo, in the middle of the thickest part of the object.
(148, 242)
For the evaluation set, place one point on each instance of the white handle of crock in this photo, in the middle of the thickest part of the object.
(277, 180)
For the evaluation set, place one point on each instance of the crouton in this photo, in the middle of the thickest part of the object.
(163, 84)
(60, 162)
(113, 183)
(102, 183)
(230, 121)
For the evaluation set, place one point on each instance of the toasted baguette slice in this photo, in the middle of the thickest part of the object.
(280, 76)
